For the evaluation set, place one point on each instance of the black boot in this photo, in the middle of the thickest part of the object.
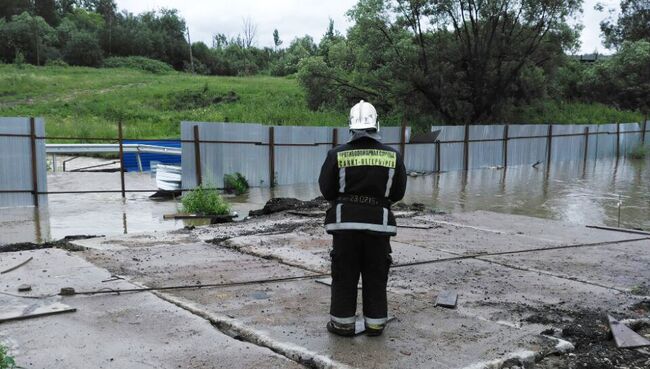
(374, 329)
(345, 330)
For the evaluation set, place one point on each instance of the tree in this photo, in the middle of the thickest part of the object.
(83, 49)
(27, 35)
(633, 24)
(9, 8)
(276, 38)
(622, 81)
(249, 32)
(47, 10)
(458, 61)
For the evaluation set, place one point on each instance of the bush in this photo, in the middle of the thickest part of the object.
(56, 63)
(194, 99)
(6, 361)
(639, 152)
(205, 201)
(235, 183)
(83, 49)
(138, 62)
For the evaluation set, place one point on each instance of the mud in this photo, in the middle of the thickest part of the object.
(64, 243)
(278, 204)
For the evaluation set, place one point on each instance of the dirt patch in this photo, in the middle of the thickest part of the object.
(594, 346)
(63, 243)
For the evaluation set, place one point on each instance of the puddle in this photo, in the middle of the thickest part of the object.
(568, 192)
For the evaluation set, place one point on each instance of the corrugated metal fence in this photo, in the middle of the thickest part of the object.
(286, 155)
(23, 168)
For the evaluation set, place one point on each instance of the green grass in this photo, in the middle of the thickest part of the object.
(88, 102)
(556, 112)
(6, 361)
(204, 201)
(640, 152)
(235, 183)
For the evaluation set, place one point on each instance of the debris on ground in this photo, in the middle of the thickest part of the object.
(64, 243)
(447, 299)
(279, 204)
(594, 346)
(34, 311)
(624, 336)
(17, 266)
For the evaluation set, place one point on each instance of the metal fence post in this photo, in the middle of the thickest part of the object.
(402, 139)
(438, 153)
(549, 146)
(466, 148)
(335, 137)
(197, 157)
(618, 140)
(121, 139)
(645, 123)
(506, 133)
(586, 146)
(32, 139)
(271, 156)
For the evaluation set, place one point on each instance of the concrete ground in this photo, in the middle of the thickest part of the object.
(522, 283)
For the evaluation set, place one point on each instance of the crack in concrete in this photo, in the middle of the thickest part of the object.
(238, 330)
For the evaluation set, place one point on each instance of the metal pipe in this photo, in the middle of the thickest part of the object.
(197, 156)
(121, 138)
(271, 156)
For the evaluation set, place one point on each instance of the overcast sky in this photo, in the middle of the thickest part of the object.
(295, 18)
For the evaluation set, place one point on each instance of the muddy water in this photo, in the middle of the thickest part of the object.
(567, 192)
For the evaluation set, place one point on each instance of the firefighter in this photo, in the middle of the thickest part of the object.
(361, 179)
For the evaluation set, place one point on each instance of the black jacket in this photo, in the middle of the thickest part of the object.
(361, 179)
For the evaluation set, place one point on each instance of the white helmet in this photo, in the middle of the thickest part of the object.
(363, 116)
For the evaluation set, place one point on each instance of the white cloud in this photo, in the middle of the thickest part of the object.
(294, 18)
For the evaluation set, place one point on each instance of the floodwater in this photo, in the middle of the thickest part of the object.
(607, 192)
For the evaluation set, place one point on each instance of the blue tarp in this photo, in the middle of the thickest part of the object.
(131, 162)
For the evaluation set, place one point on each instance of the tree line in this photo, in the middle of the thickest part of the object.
(451, 61)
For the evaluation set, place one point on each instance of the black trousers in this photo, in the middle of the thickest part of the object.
(358, 253)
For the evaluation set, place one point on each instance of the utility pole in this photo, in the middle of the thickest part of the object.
(189, 41)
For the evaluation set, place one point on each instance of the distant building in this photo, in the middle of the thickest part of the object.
(590, 58)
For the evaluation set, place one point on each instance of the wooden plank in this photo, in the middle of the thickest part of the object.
(360, 326)
(447, 299)
(624, 336)
(23, 312)
(197, 156)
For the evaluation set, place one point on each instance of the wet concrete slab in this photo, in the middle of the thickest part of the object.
(113, 331)
(504, 304)
(421, 335)
(527, 227)
(623, 266)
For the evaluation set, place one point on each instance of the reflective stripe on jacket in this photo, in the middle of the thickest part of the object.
(361, 179)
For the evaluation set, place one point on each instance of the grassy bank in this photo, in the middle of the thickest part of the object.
(88, 102)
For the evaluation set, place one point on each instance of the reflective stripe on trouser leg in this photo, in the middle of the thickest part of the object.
(376, 321)
(348, 320)
(338, 213)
